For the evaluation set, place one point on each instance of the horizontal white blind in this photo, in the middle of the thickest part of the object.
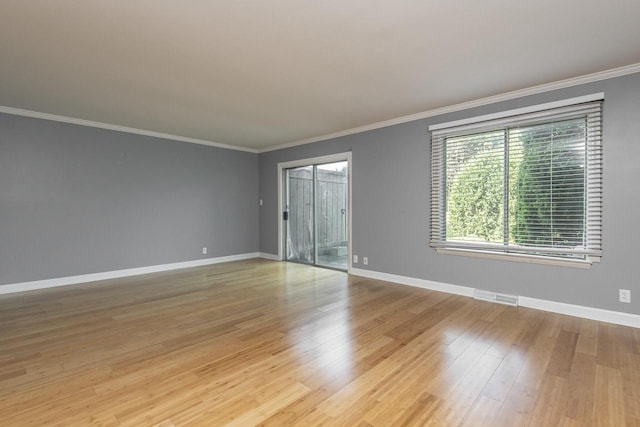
(475, 167)
(525, 184)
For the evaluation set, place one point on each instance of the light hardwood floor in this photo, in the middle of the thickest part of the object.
(257, 341)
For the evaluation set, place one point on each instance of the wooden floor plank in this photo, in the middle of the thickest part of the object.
(258, 342)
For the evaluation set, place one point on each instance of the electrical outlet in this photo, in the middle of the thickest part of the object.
(365, 260)
(355, 259)
(260, 202)
(204, 251)
(625, 295)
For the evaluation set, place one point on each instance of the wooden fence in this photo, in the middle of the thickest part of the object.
(331, 200)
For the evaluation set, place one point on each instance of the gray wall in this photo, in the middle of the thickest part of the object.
(77, 200)
(391, 184)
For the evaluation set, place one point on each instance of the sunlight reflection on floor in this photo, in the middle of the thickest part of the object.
(327, 339)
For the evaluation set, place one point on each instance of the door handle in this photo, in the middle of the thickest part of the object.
(285, 215)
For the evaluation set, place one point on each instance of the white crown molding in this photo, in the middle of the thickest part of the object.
(118, 128)
(84, 278)
(592, 313)
(561, 84)
(534, 90)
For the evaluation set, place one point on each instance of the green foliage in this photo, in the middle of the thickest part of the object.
(550, 188)
(546, 186)
(475, 200)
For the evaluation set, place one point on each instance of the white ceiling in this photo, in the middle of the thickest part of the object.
(267, 72)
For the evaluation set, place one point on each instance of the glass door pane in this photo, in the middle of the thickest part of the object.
(331, 215)
(300, 222)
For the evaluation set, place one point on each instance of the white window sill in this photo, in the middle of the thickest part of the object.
(532, 259)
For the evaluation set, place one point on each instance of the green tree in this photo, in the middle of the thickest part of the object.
(549, 190)
(475, 199)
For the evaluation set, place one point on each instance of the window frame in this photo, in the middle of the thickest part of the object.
(541, 113)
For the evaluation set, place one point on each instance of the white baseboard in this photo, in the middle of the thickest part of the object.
(615, 317)
(266, 255)
(93, 277)
(609, 316)
(411, 281)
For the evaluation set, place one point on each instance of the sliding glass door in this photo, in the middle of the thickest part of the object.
(299, 215)
(316, 214)
(331, 215)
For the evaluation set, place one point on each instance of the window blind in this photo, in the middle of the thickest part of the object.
(529, 183)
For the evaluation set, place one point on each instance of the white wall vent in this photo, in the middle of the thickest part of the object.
(495, 297)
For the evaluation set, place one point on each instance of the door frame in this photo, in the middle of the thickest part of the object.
(331, 158)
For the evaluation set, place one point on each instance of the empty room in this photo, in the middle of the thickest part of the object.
(357, 213)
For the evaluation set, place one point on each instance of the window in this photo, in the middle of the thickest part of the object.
(524, 184)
